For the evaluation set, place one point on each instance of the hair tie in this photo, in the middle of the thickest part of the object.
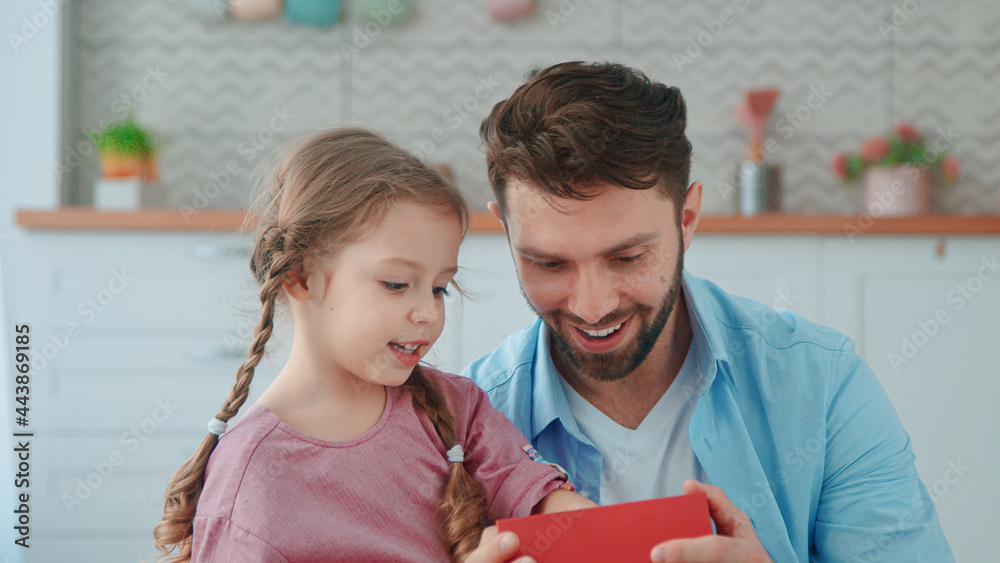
(455, 454)
(217, 427)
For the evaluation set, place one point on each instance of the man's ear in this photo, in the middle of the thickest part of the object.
(494, 208)
(295, 284)
(691, 213)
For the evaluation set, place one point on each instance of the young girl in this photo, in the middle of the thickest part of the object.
(354, 452)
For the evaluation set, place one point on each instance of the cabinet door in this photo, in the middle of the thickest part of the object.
(492, 308)
(929, 327)
(782, 272)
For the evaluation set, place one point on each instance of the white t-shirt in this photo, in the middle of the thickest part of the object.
(656, 458)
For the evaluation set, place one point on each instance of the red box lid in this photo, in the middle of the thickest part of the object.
(619, 532)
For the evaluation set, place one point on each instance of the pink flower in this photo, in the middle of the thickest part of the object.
(839, 166)
(906, 132)
(875, 149)
(949, 169)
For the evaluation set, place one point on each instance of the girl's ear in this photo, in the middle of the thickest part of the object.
(296, 285)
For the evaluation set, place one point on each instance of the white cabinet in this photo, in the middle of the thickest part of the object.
(136, 338)
(929, 326)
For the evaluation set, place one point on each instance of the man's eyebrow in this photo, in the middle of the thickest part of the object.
(636, 240)
(415, 265)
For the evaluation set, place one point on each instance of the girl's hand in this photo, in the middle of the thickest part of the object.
(496, 548)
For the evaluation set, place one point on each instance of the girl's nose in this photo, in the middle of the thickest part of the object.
(427, 310)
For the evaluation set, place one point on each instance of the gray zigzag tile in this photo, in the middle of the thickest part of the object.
(423, 87)
(174, 20)
(238, 93)
(823, 90)
(224, 78)
(467, 22)
(747, 20)
(957, 20)
(461, 150)
(948, 84)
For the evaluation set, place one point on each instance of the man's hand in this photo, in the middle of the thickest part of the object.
(736, 541)
(496, 548)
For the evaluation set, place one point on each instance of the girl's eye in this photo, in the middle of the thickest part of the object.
(395, 286)
(441, 292)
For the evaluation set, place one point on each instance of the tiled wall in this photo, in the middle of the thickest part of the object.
(218, 92)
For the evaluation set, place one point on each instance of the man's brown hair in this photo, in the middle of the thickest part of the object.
(575, 124)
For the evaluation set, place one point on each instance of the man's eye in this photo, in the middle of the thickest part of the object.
(395, 286)
(629, 259)
(547, 265)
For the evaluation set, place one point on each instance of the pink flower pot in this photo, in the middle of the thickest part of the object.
(896, 191)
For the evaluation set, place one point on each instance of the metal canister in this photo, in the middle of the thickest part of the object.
(759, 188)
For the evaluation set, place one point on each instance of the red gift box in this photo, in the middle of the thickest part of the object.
(619, 532)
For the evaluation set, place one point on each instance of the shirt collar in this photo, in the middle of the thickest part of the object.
(703, 310)
(549, 399)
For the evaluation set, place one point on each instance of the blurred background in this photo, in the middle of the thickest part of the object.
(134, 280)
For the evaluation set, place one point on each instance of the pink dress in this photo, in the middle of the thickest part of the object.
(274, 494)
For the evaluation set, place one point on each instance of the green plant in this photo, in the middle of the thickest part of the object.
(905, 145)
(125, 139)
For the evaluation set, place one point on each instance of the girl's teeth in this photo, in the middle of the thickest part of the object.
(602, 333)
(408, 348)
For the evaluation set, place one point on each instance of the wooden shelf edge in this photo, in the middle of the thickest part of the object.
(89, 219)
(150, 219)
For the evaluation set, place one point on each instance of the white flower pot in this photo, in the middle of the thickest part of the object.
(897, 191)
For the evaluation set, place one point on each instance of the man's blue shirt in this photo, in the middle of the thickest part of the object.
(790, 423)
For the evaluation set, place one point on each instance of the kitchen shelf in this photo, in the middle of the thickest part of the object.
(153, 219)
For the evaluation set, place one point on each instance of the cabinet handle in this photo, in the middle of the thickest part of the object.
(212, 352)
(221, 251)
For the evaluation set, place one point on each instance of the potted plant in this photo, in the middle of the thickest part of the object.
(127, 163)
(896, 171)
(126, 150)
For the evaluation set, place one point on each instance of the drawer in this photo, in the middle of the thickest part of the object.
(90, 550)
(135, 281)
(122, 383)
(100, 487)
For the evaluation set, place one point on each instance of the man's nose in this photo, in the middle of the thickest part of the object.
(592, 296)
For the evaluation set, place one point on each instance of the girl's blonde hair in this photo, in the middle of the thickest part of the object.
(330, 191)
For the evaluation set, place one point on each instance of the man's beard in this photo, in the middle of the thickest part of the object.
(617, 364)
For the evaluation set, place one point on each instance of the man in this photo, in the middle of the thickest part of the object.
(643, 381)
